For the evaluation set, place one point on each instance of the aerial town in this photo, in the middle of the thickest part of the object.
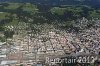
(64, 35)
(26, 48)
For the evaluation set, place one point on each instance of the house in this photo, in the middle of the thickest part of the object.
(8, 62)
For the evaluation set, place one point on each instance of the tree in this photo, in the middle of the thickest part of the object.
(8, 34)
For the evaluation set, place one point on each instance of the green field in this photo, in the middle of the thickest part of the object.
(3, 15)
(13, 6)
(29, 8)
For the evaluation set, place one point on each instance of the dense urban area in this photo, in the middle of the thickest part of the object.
(30, 33)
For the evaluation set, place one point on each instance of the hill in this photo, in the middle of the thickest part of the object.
(94, 3)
